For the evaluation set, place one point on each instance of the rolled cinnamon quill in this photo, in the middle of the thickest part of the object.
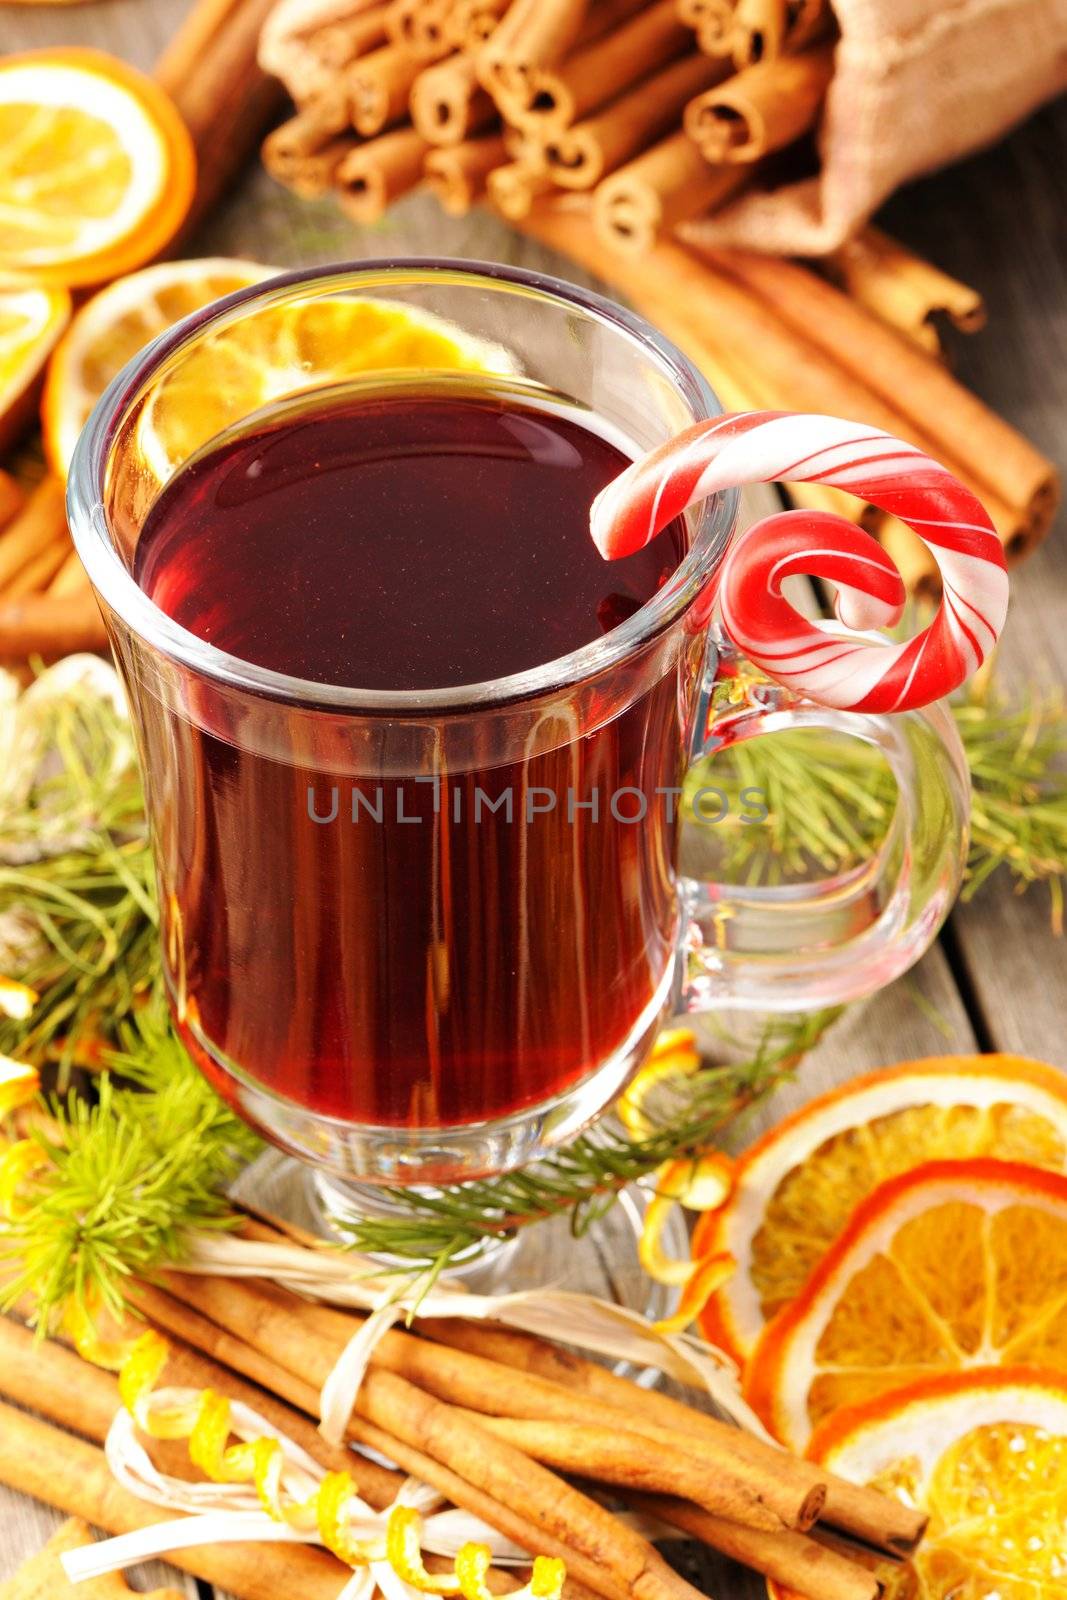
(532, 33)
(470, 22)
(579, 157)
(513, 188)
(419, 27)
(713, 21)
(461, 1378)
(666, 184)
(800, 1564)
(71, 577)
(612, 1455)
(305, 152)
(456, 174)
(340, 42)
(763, 108)
(301, 1338)
(378, 87)
(760, 29)
(1006, 469)
(37, 574)
(903, 289)
(447, 103)
(554, 98)
(375, 174)
(809, 20)
(37, 521)
(12, 499)
(884, 1522)
(583, 1576)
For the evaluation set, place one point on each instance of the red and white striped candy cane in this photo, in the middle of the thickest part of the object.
(852, 675)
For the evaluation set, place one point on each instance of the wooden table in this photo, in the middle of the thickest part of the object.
(997, 978)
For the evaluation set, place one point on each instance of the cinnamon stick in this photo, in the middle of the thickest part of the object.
(698, 306)
(801, 1564)
(83, 1397)
(419, 27)
(760, 29)
(578, 157)
(613, 1455)
(50, 626)
(514, 187)
(37, 574)
(874, 1517)
(38, 521)
(378, 87)
(340, 42)
(903, 289)
(912, 559)
(532, 33)
(808, 20)
(666, 184)
(291, 1333)
(305, 152)
(714, 24)
(66, 1472)
(457, 173)
(210, 70)
(71, 577)
(600, 71)
(225, 1347)
(470, 22)
(761, 109)
(447, 103)
(1004, 466)
(375, 174)
(461, 1378)
(12, 498)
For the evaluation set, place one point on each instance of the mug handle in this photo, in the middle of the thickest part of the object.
(801, 946)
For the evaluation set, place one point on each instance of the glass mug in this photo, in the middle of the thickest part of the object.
(402, 1001)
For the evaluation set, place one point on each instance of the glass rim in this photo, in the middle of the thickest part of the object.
(714, 520)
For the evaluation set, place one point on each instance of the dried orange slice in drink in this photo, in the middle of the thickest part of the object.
(796, 1187)
(32, 317)
(984, 1453)
(292, 347)
(958, 1264)
(118, 322)
(97, 168)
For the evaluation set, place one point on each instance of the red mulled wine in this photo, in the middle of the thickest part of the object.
(422, 948)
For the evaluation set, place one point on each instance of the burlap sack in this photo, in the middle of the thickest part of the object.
(917, 84)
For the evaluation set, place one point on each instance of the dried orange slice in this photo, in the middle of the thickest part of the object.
(796, 1187)
(958, 1264)
(292, 347)
(118, 322)
(32, 317)
(984, 1453)
(97, 168)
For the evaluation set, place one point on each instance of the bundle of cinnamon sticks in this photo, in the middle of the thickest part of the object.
(541, 1444)
(601, 126)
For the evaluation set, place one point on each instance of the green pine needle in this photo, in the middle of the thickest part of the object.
(124, 1176)
(583, 1179)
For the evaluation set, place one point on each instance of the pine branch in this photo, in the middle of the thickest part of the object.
(123, 1176)
(583, 1179)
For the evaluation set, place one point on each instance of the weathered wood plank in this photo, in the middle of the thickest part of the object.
(999, 222)
(26, 1525)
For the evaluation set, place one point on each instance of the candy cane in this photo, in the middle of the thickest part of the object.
(850, 674)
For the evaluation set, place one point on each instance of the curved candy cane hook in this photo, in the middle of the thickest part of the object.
(851, 675)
